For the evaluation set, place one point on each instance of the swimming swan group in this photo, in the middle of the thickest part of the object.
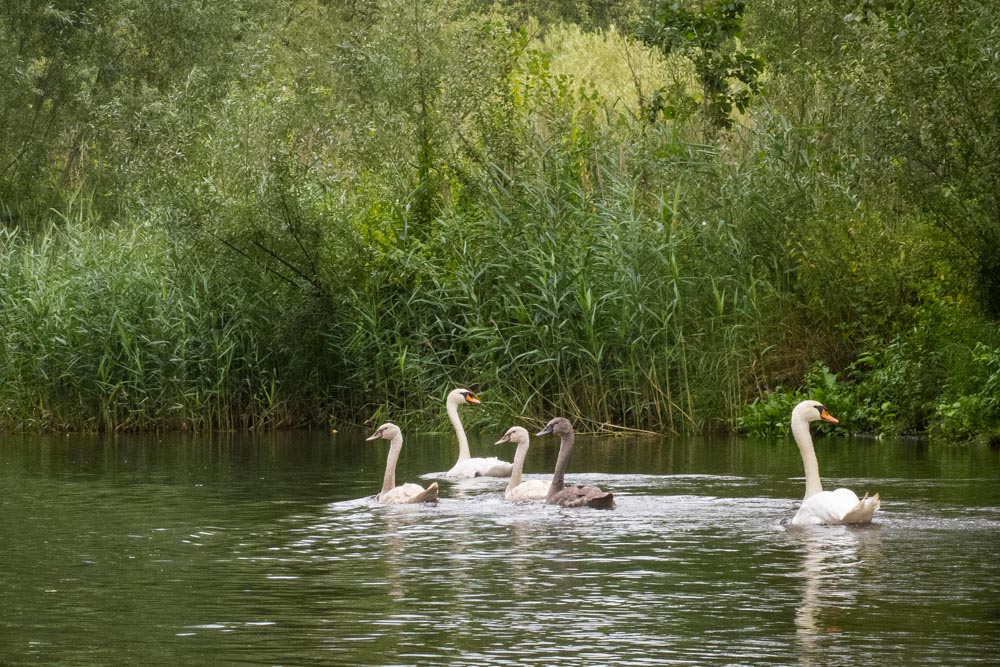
(841, 506)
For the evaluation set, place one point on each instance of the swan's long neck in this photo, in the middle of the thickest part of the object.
(463, 442)
(515, 473)
(389, 481)
(800, 431)
(565, 446)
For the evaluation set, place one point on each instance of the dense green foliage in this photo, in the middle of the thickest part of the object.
(258, 215)
(707, 36)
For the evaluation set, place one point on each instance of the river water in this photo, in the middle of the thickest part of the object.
(269, 550)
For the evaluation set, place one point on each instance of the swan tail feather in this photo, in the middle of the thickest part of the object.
(429, 495)
(863, 511)
(607, 501)
(583, 496)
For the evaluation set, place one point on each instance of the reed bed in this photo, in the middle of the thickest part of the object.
(598, 285)
(621, 311)
(110, 329)
(558, 297)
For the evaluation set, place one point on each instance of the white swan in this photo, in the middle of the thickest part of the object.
(407, 493)
(466, 466)
(819, 507)
(529, 489)
(575, 495)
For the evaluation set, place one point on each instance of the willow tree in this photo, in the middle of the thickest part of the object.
(931, 75)
(87, 88)
(707, 34)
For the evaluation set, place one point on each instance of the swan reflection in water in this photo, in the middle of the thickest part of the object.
(396, 523)
(473, 488)
(836, 561)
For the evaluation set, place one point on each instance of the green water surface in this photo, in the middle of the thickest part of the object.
(269, 550)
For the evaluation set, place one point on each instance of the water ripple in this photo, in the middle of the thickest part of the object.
(304, 567)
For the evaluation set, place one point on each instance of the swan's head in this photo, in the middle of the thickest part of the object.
(514, 434)
(463, 396)
(558, 426)
(386, 431)
(811, 411)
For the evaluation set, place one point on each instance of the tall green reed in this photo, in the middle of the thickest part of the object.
(111, 329)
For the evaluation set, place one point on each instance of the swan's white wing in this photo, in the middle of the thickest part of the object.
(480, 467)
(407, 493)
(836, 507)
(532, 489)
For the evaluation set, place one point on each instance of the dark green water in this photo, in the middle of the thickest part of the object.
(269, 551)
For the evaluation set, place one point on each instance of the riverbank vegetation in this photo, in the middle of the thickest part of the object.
(673, 217)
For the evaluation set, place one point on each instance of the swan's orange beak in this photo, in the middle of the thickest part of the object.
(472, 398)
(827, 417)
